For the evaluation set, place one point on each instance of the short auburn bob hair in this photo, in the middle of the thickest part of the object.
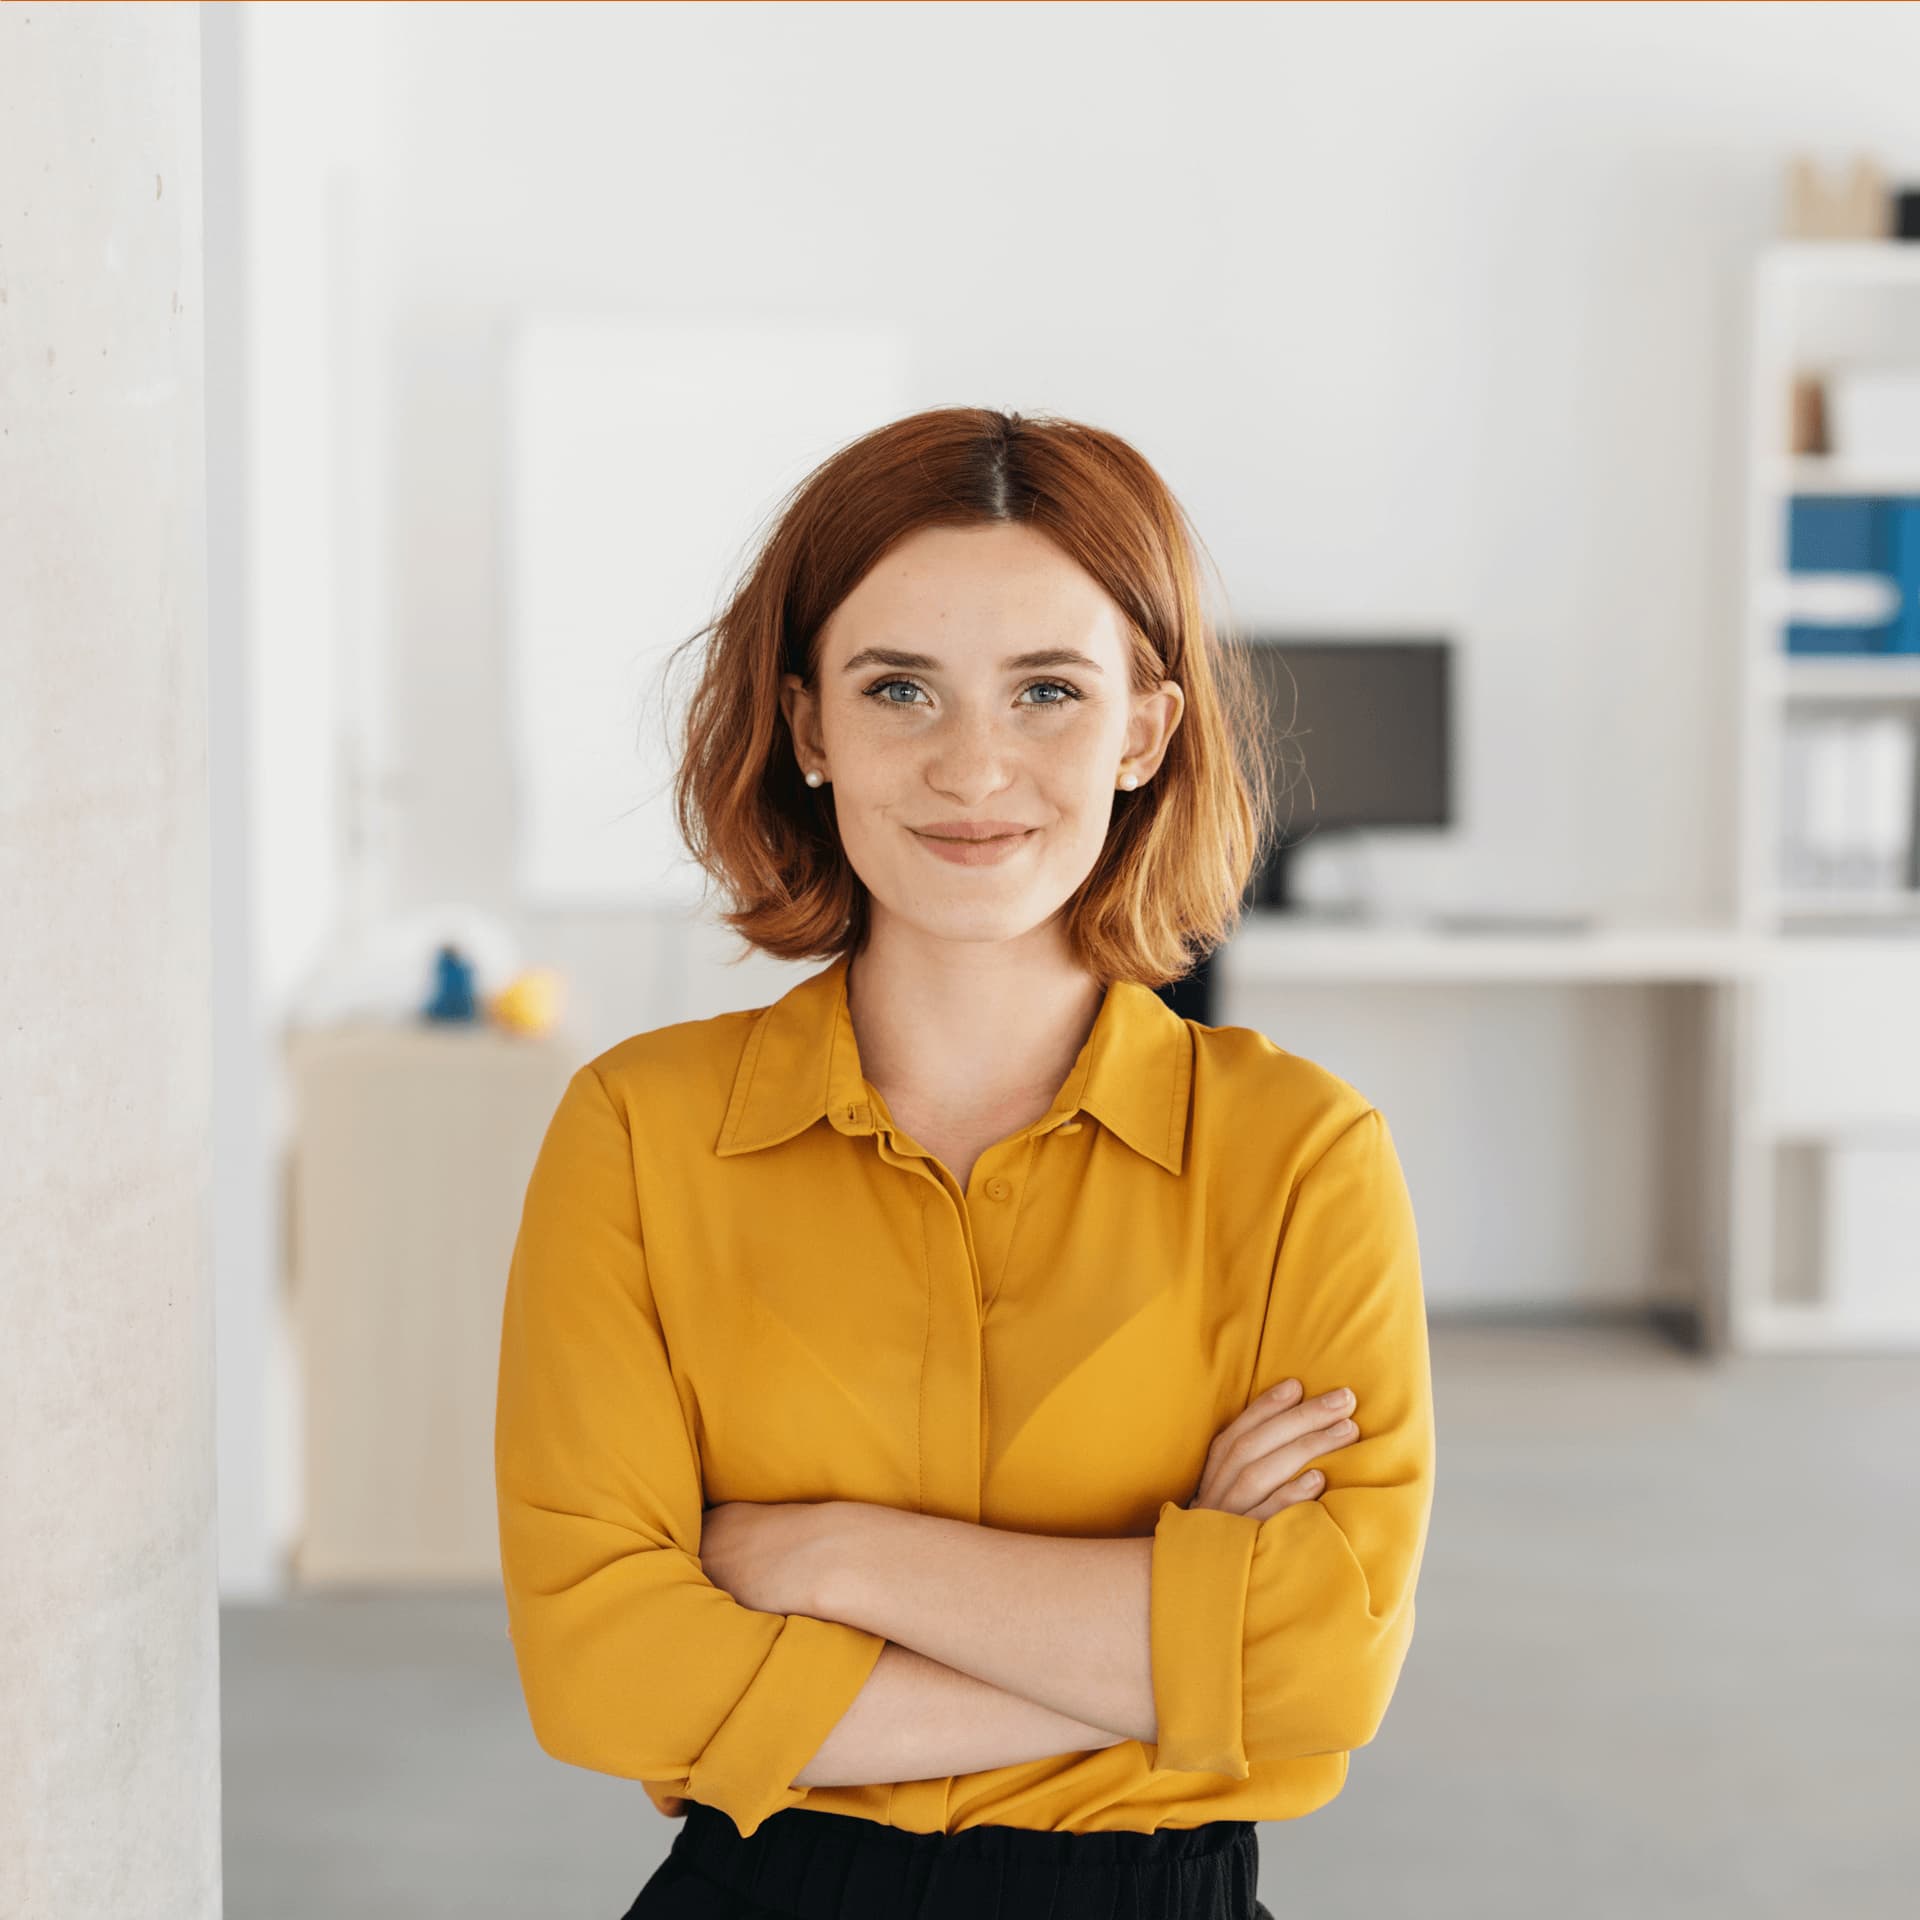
(1173, 876)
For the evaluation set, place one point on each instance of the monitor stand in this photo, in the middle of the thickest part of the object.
(1513, 920)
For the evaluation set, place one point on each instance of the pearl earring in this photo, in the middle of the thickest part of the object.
(1129, 779)
(814, 776)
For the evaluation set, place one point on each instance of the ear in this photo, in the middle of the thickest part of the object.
(802, 711)
(1151, 726)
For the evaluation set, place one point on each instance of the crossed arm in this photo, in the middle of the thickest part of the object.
(1224, 1641)
(1219, 1641)
(1002, 1646)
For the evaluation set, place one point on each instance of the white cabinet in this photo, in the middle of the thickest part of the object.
(1870, 1244)
(1837, 1039)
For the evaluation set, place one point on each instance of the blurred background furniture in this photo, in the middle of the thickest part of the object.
(408, 1165)
(1825, 1168)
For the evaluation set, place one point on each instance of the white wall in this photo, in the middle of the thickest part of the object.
(1432, 315)
(1428, 313)
(110, 1787)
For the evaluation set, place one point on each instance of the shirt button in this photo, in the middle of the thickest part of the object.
(998, 1189)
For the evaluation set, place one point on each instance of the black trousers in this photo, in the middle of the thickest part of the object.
(802, 1864)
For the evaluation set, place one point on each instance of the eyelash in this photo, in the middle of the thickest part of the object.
(897, 680)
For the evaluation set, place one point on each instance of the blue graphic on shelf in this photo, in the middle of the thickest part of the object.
(1859, 534)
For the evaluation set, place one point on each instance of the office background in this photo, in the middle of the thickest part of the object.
(1442, 322)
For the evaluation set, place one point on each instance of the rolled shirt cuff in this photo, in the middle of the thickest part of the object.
(806, 1683)
(1202, 1561)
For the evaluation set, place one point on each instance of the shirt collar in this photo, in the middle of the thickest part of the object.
(1134, 1074)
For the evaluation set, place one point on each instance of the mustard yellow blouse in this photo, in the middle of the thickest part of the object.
(737, 1279)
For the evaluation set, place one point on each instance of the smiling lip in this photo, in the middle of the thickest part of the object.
(972, 829)
(975, 843)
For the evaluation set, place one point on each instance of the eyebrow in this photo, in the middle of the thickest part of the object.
(926, 663)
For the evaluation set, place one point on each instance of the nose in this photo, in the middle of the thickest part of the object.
(969, 761)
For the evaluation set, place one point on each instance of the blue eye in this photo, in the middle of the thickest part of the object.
(880, 687)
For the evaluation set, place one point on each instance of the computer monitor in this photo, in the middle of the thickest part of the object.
(1361, 737)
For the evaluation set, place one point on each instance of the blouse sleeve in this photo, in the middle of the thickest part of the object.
(1282, 1637)
(632, 1662)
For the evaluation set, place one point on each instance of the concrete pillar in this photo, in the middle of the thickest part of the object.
(109, 1623)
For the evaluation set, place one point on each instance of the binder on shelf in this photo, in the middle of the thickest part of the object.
(1847, 804)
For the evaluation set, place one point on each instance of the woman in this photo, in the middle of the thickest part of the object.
(965, 1433)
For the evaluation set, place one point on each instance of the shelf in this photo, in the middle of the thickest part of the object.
(1903, 904)
(1825, 1053)
(1843, 676)
(1875, 263)
(1833, 473)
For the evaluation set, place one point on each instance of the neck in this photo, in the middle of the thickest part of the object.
(968, 1027)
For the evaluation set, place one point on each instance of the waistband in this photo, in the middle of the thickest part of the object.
(827, 1866)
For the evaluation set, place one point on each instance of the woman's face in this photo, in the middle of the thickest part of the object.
(976, 678)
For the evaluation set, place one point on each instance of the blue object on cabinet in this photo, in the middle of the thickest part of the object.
(453, 996)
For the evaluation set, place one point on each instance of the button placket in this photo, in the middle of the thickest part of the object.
(952, 1441)
(953, 1375)
(997, 1212)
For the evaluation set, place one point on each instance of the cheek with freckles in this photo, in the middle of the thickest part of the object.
(1079, 781)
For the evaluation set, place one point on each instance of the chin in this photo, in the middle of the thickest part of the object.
(977, 922)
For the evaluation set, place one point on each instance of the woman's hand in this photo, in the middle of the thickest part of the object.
(771, 1556)
(1254, 1465)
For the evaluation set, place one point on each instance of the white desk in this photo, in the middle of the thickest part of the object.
(1808, 1044)
(1274, 946)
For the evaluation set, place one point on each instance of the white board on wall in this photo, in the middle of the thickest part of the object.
(642, 460)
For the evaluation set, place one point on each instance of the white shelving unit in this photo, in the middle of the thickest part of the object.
(1802, 1016)
(1826, 1032)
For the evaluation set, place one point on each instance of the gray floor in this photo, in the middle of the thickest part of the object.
(1667, 1663)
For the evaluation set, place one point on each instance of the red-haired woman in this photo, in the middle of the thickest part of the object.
(965, 1434)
